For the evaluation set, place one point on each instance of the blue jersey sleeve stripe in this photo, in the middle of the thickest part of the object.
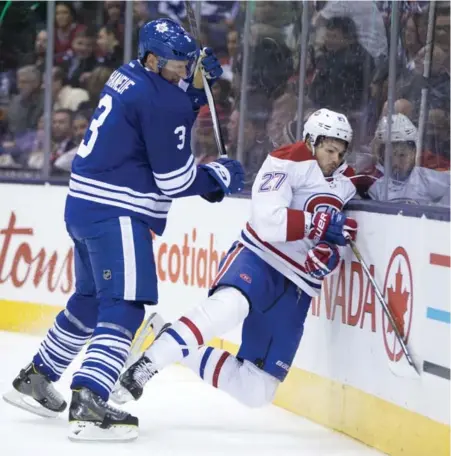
(176, 172)
(150, 204)
(173, 186)
(115, 203)
(117, 187)
(158, 179)
(98, 186)
(108, 200)
(182, 187)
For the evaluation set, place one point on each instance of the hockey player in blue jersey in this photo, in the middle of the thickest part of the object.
(134, 159)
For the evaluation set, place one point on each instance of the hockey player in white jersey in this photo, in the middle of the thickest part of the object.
(408, 182)
(269, 276)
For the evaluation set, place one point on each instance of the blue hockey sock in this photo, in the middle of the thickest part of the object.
(62, 344)
(109, 347)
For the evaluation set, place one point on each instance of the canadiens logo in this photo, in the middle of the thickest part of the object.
(246, 278)
(398, 288)
(324, 202)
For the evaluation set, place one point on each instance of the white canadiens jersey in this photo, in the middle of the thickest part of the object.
(424, 186)
(289, 187)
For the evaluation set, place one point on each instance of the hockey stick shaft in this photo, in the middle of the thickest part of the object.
(384, 305)
(194, 30)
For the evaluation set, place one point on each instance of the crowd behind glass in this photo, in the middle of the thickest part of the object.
(369, 60)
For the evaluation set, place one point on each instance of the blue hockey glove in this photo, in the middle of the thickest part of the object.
(228, 173)
(211, 66)
(214, 197)
(335, 228)
(322, 260)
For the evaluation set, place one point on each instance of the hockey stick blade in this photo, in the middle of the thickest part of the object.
(194, 30)
(152, 325)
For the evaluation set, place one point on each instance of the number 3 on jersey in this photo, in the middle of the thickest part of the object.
(181, 133)
(105, 102)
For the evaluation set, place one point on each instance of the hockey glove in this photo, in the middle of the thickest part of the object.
(322, 260)
(228, 173)
(209, 64)
(214, 197)
(335, 228)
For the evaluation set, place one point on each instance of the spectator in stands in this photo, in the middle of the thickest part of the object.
(410, 83)
(80, 60)
(27, 107)
(40, 48)
(276, 17)
(80, 124)
(64, 95)
(61, 133)
(94, 86)
(258, 31)
(283, 110)
(222, 91)
(62, 141)
(411, 42)
(141, 13)
(436, 145)
(339, 68)
(442, 27)
(271, 67)
(7, 89)
(232, 48)
(407, 182)
(66, 29)
(204, 139)
(15, 153)
(232, 43)
(111, 53)
(114, 18)
(288, 134)
(368, 22)
(257, 144)
(401, 106)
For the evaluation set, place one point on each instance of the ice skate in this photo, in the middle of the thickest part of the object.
(92, 419)
(131, 383)
(34, 392)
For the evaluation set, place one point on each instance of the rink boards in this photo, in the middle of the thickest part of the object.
(349, 373)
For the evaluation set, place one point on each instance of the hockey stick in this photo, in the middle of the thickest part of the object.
(384, 305)
(153, 324)
(194, 30)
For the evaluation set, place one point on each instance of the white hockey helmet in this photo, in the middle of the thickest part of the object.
(402, 129)
(327, 123)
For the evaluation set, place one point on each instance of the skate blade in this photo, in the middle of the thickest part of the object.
(120, 395)
(27, 403)
(83, 431)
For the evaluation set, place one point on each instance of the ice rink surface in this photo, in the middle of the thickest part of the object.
(179, 416)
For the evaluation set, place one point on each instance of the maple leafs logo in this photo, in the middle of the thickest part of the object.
(398, 300)
(162, 27)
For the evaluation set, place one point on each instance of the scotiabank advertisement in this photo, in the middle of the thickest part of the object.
(347, 337)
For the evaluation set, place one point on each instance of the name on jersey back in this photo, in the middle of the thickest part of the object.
(119, 82)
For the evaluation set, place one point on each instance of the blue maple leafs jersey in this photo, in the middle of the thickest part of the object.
(136, 154)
